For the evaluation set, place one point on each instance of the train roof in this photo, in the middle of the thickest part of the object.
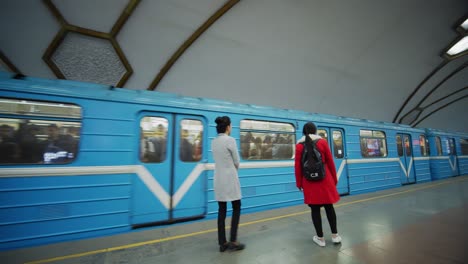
(94, 91)
(437, 132)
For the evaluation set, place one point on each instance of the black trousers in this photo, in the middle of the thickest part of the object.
(317, 218)
(222, 208)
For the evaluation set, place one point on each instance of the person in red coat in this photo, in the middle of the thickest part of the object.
(318, 193)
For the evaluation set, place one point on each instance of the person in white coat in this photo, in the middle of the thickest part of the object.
(226, 182)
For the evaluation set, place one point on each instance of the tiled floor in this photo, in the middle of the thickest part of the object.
(422, 223)
(441, 238)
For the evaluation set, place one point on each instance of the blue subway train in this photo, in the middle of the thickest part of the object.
(80, 160)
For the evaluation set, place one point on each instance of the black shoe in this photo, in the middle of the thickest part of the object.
(234, 246)
(223, 247)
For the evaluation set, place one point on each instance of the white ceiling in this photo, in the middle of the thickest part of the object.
(358, 58)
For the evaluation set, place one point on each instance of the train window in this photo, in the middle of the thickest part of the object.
(191, 136)
(323, 133)
(451, 147)
(373, 144)
(399, 145)
(464, 146)
(338, 150)
(438, 146)
(264, 140)
(28, 135)
(423, 143)
(428, 147)
(407, 145)
(37, 141)
(153, 139)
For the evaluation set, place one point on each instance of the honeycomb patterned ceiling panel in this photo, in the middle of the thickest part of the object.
(84, 54)
(86, 58)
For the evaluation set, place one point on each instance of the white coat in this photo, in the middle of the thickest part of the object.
(226, 179)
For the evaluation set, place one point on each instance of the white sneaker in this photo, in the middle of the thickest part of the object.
(319, 241)
(336, 239)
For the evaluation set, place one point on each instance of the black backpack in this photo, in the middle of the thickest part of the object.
(312, 165)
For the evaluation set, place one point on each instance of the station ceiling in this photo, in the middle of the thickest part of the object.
(373, 59)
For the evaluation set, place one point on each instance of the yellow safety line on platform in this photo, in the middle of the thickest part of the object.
(160, 240)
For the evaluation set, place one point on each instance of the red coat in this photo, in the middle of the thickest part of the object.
(318, 192)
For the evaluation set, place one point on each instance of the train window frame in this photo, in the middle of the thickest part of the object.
(399, 144)
(190, 140)
(27, 126)
(408, 147)
(265, 134)
(338, 149)
(451, 150)
(438, 145)
(464, 146)
(153, 133)
(424, 145)
(371, 137)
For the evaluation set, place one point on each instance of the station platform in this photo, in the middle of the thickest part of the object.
(419, 223)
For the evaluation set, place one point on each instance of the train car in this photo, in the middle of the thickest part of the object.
(463, 157)
(449, 152)
(82, 160)
(86, 160)
(376, 155)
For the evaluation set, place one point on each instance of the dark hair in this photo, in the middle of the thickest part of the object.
(309, 128)
(222, 122)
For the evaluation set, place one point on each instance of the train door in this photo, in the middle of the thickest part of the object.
(337, 148)
(452, 156)
(405, 154)
(171, 182)
(189, 180)
(151, 190)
